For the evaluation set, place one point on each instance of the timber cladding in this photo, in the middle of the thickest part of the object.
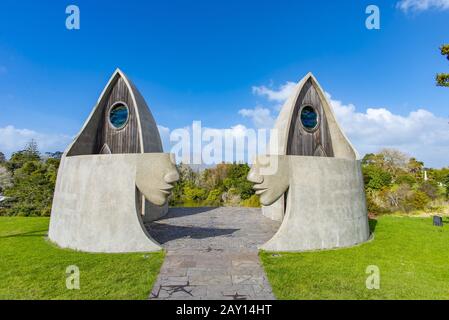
(303, 142)
(126, 139)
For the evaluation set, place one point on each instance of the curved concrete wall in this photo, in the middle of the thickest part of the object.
(326, 205)
(94, 207)
(342, 147)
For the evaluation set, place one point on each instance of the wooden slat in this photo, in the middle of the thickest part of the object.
(124, 140)
(302, 142)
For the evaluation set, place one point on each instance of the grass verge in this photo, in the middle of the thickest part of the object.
(412, 256)
(33, 268)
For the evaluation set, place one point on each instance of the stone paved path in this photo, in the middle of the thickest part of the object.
(212, 254)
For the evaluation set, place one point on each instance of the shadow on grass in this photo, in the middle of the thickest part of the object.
(36, 233)
(372, 225)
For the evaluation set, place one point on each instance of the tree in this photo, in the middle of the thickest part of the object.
(237, 179)
(2, 158)
(393, 160)
(375, 177)
(5, 178)
(418, 201)
(31, 148)
(18, 159)
(414, 166)
(32, 189)
(446, 185)
(430, 188)
(443, 78)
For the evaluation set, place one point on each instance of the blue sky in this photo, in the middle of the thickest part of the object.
(227, 63)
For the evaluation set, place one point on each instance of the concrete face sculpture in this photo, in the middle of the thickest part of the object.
(112, 176)
(312, 180)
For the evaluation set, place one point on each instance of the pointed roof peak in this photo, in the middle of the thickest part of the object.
(307, 77)
(119, 72)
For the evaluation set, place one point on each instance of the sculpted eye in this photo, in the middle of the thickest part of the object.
(118, 116)
(309, 118)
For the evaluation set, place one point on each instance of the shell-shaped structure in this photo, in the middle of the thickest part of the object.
(137, 134)
(324, 139)
(315, 183)
(109, 175)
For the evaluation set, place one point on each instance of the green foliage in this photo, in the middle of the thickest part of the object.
(31, 189)
(446, 186)
(418, 201)
(445, 50)
(214, 197)
(442, 79)
(194, 193)
(406, 179)
(372, 203)
(226, 184)
(252, 202)
(18, 159)
(430, 188)
(5, 178)
(237, 179)
(395, 183)
(375, 178)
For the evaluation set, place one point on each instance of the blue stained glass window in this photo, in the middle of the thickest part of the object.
(309, 118)
(118, 115)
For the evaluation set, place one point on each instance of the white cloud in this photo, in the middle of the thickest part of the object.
(279, 95)
(422, 5)
(164, 132)
(420, 133)
(13, 139)
(261, 117)
(264, 117)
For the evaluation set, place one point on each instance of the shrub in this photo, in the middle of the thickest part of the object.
(419, 200)
(32, 190)
(375, 178)
(407, 179)
(373, 203)
(446, 185)
(214, 197)
(232, 197)
(252, 202)
(193, 193)
(430, 189)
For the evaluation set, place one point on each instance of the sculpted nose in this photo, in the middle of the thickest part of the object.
(254, 177)
(172, 176)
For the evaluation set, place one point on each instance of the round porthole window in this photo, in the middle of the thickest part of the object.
(309, 118)
(118, 116)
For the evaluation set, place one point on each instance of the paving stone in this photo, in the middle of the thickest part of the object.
(210, 280)
(175, 272)
(212, 254)
(248, 280)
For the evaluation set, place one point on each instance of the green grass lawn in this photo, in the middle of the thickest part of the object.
(412, 255)
(33, 268)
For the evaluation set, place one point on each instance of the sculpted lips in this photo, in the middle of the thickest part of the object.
(259, 189)
(167, 189)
